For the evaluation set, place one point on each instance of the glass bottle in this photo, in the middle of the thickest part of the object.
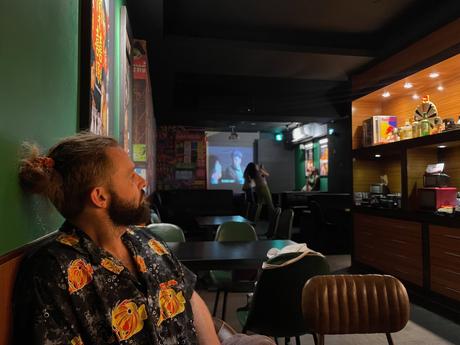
(416, 129)
(406, 131)
(425, 127)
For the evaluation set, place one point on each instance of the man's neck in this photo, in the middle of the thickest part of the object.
(102, 232)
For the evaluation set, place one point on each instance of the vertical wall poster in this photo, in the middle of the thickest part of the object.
(99, 66)
(309, 160)
(323, 158)
(126, 76)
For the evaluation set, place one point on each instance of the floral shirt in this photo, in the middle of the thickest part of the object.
(71, 291)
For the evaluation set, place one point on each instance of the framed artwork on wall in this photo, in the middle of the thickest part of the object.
(96, 54)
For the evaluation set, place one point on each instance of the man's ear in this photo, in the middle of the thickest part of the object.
(99, 197)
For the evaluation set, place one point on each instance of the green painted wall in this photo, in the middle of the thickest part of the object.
(299, 168)
(39, 101)
(38, 88)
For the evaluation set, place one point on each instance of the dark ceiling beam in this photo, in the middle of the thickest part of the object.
(333, 48)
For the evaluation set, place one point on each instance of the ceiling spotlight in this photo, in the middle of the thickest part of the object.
(433, 75)
(440, 88)
(233, 135)
(408, 85)
(386, 94)
(415, 96)
(377, 155)
(442, 146)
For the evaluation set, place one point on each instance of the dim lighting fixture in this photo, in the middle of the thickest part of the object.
(433, 75)
(415, 96)
(386, 94)
(442, 146)
(279, 136)
(440, 88)
(408, 85)
(377, 155)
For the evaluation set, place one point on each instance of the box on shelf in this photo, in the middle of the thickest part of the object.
(377, 129)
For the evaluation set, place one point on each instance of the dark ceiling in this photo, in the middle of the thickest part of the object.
(272, 62)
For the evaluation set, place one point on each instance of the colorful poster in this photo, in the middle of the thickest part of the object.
(309, 162)
(99, 65)
(139, 153)
(324, 160)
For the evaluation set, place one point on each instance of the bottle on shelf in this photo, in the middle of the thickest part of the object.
(406, 131)
(416, 129)
(425, 127)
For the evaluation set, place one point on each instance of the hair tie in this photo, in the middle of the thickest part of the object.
(46, 163)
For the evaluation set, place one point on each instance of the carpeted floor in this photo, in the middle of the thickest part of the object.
(424, 327)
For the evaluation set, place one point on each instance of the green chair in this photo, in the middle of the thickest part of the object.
(275, 308)
(167, 232)
(233, 281)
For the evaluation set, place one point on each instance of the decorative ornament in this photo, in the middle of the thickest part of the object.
(426, 110)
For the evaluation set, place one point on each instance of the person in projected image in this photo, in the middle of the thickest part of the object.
(234, 171)
(216, 170)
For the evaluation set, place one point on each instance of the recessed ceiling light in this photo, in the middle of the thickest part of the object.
(415, 96)
(440, 88)
(386, 94)
(434, 75)
(408, 85)
(377, 155)
(253, 123)
(442, 146)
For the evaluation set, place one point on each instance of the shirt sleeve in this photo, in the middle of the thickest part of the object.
(42, 310)
(189, 281)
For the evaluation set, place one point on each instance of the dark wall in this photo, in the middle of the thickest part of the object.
(279, 162)
(340, 156)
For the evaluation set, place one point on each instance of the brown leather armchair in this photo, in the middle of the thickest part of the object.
(350, 304)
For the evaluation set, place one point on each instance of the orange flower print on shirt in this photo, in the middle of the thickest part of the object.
(157, 247)
(67, 239)
(127, 319)
(79, 274)
(76, 341)
(140, 263)
(171, 302)
(111, 266)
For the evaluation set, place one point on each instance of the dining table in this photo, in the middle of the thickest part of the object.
(222, 255)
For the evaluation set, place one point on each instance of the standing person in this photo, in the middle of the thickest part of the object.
(263, 194)
(98, 280)
(234, 171)
(249, 184)
(313, 181)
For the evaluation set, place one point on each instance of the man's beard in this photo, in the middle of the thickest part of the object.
(123, 213)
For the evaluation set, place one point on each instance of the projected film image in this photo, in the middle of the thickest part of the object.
(226, 166)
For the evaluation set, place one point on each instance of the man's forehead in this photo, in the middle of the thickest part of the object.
(119, 157)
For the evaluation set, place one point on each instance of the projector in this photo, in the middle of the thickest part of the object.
(233, 136)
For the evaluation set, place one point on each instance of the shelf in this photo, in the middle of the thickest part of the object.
(396, 147)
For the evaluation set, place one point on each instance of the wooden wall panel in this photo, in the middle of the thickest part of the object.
(424, 49)
(417, 160)
(392, 168)
(361, 110)
(451, 156)
(367, 172)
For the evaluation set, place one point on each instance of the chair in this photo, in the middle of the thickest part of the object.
(167, 232)
(275, 308)
(284, 228)
(233, 281)
(273, 220)
(350, 304)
